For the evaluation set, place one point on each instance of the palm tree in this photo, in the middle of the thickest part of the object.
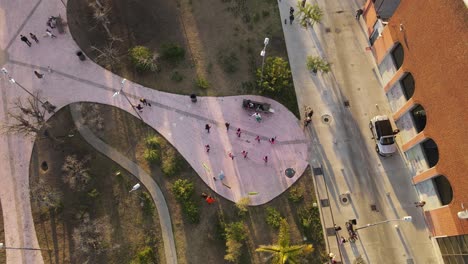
(283, 252)
(309, 14)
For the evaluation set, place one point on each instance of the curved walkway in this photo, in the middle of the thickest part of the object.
(139, 173)
(174, 116)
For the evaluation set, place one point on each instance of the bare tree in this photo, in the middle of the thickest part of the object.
(108, 55)
(27, 118)
(91, 236)
(45, 196)
(92, 116)
(101, 15)
(76, 172)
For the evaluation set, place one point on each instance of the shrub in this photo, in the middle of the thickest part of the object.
(152, 155)
(172, 52)
(235, 233)
(183, 190)
(153, 142)
(243, 205)
(233, 250)
(145, 256)
(229, 62)
(190, 209)
(170, 162)
(147, 203)
(142, 58)
(296, 194)
(201, 83)
(273, 217)
(309, 218)
(177, 77)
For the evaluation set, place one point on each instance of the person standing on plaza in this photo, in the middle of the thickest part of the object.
(227, 125)
(258, 139)
(34, 37)
(49, 34)
(207, 147)
(207, 127)
(25, 40)
(291, 19)
(38, 75)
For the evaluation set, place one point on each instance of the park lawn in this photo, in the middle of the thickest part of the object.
(130, 221)
(202, 242)
(222, 40)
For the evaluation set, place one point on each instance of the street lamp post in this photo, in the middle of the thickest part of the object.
(263, 54)
(126, 97)
(405, 219)
(48, 106)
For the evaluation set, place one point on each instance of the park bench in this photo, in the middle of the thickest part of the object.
(256, 106)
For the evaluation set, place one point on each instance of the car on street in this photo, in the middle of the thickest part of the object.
(383, 135)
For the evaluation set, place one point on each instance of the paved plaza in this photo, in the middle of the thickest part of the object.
(179, 120)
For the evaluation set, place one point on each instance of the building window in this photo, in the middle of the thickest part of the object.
(407, 83)
(454, 249)
(398, 55)
(443, 188)
(431, 152)
(419, 118)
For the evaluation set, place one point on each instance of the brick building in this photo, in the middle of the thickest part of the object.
(421, 49)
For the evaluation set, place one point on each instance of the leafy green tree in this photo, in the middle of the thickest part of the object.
(309, 14)
(183, 190)
(317, 64)
(172, 52)
(283, 251)
(276, 75)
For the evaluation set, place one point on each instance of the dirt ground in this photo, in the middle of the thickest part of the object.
(131, 221)
(215, 35)
(202, 242)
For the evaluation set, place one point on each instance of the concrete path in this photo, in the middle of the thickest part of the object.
(140, 174)
(343, 147)
(175, 117)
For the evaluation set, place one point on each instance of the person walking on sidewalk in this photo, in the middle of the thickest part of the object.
(359, 12)
(244, 153)
(291, 19)
(227, 125)
(207, 147)
(34, 37)
(291, 10)
(39, 75)
(25, 40)
(207, 127)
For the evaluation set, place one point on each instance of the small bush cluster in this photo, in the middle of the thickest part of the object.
(243, 205)
(142, 58)
(147, 204)
(229, 62)
(309, 218)
(172, 52)
(145, 256)
(177, 77)
(201, 83)
(235, 234)
(273, 218)
(296, 194)
(183, 191)
(158, 151)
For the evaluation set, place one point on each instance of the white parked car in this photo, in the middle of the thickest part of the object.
(383, 134)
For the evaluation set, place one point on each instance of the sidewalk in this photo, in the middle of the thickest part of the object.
(342, 147)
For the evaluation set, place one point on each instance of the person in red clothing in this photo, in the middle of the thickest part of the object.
(210, 199)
